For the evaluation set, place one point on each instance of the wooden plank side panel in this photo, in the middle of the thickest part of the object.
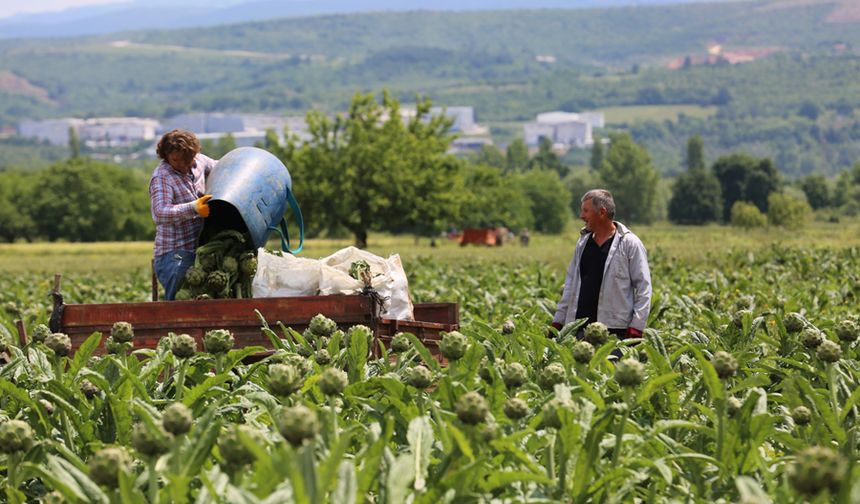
(152, 321)
(440, 313)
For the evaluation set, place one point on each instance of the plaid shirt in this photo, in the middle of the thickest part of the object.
(173, 196)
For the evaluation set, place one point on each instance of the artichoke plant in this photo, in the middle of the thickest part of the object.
(516, 408)
(514, 375)
(829, 351)
(321, 325)
(419, 377)
(596, 333)
(15, 436)
(218, 341)
(725, 364)
(59, 343)
(793, 322)
(151, 443)
(183, 346)
(40, 333)
(551, 375)
(629, 373)
(284, 379)
(333, 381)
(89, 389)
(552, 410)
(297, 424)
(322, 357)
(122, 332)
(811, 337)
(582, 352)
(177, 419)
(400, 343)
(471, 408)
(847, 330)
(801, 415)
(234, 451)
(817, 469)
(453, 345)
(106, 464)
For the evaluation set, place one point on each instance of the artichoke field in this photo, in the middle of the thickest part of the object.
(744, 388)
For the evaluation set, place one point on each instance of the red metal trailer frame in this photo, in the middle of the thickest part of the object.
(153, 320)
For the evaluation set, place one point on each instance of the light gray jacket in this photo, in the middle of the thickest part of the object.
(625, 294)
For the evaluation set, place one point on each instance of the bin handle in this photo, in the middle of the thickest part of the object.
(282, 230)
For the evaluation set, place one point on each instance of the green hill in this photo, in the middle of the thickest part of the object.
(802, 54)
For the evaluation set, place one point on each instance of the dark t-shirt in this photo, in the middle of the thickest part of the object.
(591, 274)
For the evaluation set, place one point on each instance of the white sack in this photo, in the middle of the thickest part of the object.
(285, 276)
(387, 277)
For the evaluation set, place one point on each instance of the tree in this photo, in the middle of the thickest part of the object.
(695, 153)
(628, 173)
(747, 216)
(745, 178)
(80, 200)
(517, 155)
(546, 159)
(596, 160)
(696, 198)
(370, 170)
(787, 211)
(578, 182)
(491, 156)
(816, 191)
(74, 143)
(548, 200)
(492, 198)
(17, 191)
(810, 110)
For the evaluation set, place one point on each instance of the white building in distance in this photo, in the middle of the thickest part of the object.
(566, 129)
(243, 127)
(97, 131)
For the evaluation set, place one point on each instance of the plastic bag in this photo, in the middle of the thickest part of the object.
(284, 276)
(387, 277)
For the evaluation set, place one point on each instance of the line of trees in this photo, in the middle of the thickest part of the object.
(372, 170)
(747, 191)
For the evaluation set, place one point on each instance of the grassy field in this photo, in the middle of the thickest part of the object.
(627, 115)
(696, 245)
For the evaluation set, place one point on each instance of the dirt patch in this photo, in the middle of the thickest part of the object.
(844, 11)
(13, 84)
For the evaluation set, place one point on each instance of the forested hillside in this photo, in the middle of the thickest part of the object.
(795, 102)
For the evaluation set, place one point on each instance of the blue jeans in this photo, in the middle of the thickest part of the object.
(170, 269)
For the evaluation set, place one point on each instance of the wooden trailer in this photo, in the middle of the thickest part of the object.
(154, 320)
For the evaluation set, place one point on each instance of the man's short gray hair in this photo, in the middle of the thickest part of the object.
(601, 198)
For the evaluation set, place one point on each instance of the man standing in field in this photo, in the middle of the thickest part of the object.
(608, 279)
(178, 205)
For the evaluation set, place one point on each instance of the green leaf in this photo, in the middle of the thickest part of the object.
(90, 489)
(84, 352)
(400, 475)
(461, 441)
(653, 385)
(204, 388)
(503, 479)
(823, 407)
(709, 375)
(327, 470)
(425, 354)
(420, 438)
(347, 485)
(356, 355)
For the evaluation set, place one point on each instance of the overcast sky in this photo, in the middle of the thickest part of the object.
(12, 7)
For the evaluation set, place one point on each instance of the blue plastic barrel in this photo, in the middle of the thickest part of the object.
(252, 185)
